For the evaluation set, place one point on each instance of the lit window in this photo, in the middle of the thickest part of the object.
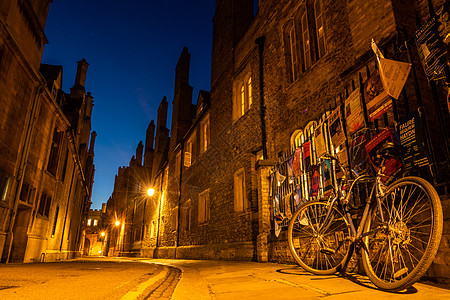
(95, 222)
(320, 27)
(306, 41)
(204, 135)
(249, 91)
(188, 151)
(89, 221)
(243, 98)
(203, 207)
(239, 191)
(5, 182)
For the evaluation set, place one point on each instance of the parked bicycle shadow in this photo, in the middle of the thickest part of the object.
(364, 281)
(356, 278)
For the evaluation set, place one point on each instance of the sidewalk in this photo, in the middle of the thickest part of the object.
(204, 279)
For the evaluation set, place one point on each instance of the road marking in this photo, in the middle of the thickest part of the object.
(131, 295)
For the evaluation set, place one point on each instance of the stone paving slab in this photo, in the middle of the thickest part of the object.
(249, 280)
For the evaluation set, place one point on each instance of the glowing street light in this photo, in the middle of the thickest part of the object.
(150, 192)
(117, 223)
(102, 234)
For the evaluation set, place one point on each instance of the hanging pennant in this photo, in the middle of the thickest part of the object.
(319, 139)
(336, 130)
(315, 181)
(307, 155)
(354, 115)
(296, 163)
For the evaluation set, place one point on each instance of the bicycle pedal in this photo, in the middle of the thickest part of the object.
(328, 251)
(400, 273)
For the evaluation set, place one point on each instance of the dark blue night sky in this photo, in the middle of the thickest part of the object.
(132, 47)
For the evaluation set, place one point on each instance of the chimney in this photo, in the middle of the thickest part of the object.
(139, 150)
(92, 143)
(80, 78)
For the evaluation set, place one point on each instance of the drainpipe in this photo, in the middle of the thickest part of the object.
(179, 198)
(262, 109)
(67, 207)
(20, 172)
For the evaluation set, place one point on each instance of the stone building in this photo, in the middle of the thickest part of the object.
(46, 167)
(276, 72)
(96, 238)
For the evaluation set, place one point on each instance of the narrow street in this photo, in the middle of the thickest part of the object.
(131, 278)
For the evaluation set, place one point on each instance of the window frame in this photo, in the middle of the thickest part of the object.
(204, 207)
(240, 198)
(205, 133)
(243, 95)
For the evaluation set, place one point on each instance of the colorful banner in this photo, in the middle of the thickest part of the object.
(336, 129)
(315, 181)
(319, 139)
(326, 177)
(307, 155)
(377, 99)
(430, 40)
(393, 73)
(391, 165)
(353, 112)
(409, 135)
(296, 164)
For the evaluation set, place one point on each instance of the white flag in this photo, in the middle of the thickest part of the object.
(393, 73)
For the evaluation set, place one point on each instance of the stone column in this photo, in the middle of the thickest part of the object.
(263, 168)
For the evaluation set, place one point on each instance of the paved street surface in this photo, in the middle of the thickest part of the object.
(103, 278)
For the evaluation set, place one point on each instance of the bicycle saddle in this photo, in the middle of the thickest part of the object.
(389, 149)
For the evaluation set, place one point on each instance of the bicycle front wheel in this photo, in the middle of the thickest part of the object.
(319, 245)
(399, 250)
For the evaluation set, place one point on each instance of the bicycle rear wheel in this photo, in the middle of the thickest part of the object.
(319, 246)
(400, 250)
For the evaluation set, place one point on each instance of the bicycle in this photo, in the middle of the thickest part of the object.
(398, 234)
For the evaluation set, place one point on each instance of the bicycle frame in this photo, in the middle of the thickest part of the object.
(357, 235)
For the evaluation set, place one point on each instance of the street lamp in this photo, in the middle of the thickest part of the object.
(150, 192)
(117, 223)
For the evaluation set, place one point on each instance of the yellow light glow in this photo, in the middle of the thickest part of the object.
(150, 192)
(117, 223)
(103, 233)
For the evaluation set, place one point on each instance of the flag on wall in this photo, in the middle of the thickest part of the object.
(393, 73)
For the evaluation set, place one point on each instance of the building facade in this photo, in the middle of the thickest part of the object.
(46, 146)
(277, 72)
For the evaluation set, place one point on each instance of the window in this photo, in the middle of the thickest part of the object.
(55, 220)
(64, 169)
(204, 136)
(89, 222)
(186, 212)
(178, 164)
(305, 40)
(153, 229)
(95, 222)
(292, 52)
(239, 191)
(54, 152)
(189, 151)
(243, 96)
(318, 7)
(174, 218)
(27, 193)
(5, 185)
(44, 205)
(203, 207)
